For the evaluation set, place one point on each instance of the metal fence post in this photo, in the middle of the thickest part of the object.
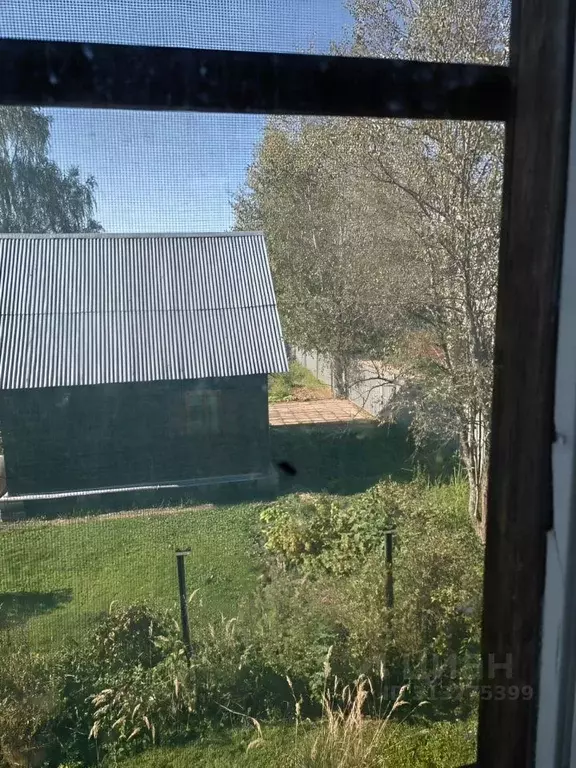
(180, 555)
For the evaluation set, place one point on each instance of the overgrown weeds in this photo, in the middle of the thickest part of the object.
(316, 645)
(29, 701)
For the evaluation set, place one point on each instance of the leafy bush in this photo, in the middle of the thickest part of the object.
(142, 690)
(232, 672)
(438, 569)
(131, 635)
(298, 529)
(281, 386)
(294, 630)
(127, 687)
(29, 699)
(331, 534)
(289, 629)
(328, 586)
(140, 706)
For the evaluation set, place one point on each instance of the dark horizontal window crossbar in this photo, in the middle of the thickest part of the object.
(136, 77)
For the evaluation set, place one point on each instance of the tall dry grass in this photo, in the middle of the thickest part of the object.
(348, 736)
(353, 731)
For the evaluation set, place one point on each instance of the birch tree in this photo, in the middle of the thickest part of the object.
(384, 234)
(36, 195)
(449, 175)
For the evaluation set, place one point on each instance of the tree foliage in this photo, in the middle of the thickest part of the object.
(36, 195)
(313, 202)
(384, 233)
(450, 175)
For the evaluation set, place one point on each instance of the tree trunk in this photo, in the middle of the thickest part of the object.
(340, 370)
(478, 500)
(474, 447)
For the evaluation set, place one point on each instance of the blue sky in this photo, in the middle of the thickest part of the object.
(169, 171)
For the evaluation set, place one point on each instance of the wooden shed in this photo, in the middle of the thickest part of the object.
(135, 360)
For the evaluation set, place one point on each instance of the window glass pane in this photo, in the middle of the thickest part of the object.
(246, 372)
(333, 513)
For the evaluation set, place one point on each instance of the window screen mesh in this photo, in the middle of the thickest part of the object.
(252, 25)
(158, 172)
(323, 525)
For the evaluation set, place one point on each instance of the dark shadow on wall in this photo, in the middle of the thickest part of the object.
(18, 607)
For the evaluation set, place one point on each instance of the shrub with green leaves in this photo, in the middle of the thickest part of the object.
(280, 387)
(29, 701)
(295, 624)
(438, 564)
(131, 635)
(232, 673)
(328, 576)
(128, 686)
(132, 685)
(143, 706)
(438, 568)
(329, 533)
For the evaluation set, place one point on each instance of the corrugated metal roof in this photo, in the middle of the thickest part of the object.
(101, 308)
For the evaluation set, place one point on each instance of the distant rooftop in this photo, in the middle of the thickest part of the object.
(105, 308)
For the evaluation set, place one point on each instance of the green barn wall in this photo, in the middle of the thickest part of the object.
(110, 435)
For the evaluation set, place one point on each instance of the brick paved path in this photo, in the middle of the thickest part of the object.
(316, 412)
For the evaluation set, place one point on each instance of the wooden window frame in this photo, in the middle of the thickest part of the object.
(532, 96)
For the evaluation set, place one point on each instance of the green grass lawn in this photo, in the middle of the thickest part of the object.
(281, 386)
(56, 576)
(439, 745)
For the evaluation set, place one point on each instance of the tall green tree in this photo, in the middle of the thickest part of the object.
(36, 195)
(449, 174)
(384, 234)
(325, 233)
